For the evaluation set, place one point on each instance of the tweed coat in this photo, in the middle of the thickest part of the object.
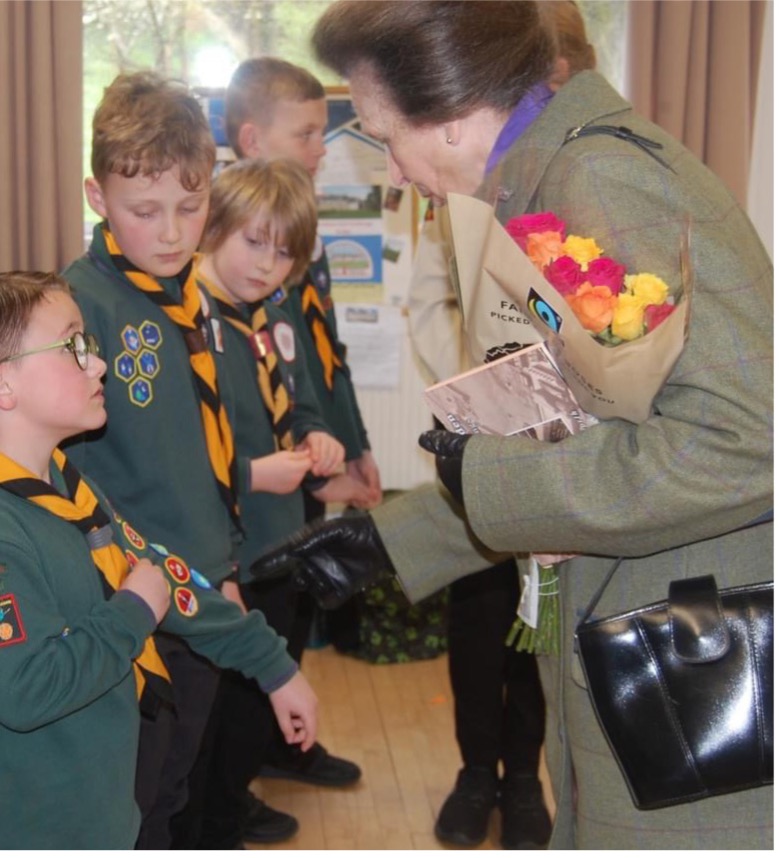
(671, 495)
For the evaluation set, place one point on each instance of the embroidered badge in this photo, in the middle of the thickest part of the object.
(11, 627)
(132, 558)
(284, 337)
(133, 537)
(200, 580)
(138, 363)
(186, 601)
(177, 569)
(278, 296)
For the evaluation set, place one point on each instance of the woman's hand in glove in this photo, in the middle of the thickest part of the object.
(331, 559)
(448, 448)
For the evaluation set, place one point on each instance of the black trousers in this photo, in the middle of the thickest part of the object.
(169, 744)
(239, 732)
(498, 701)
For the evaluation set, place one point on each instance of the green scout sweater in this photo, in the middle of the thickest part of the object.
(151, 458)
(69, 715)
(267, 518)
(339, 406)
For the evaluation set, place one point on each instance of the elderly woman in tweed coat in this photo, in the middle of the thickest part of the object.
(438, 83)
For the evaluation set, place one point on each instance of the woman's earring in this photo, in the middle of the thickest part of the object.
(449, 140)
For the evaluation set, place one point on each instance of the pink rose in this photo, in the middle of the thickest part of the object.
(606, 272)
(566, 275)
(520, 227)
(656, 313)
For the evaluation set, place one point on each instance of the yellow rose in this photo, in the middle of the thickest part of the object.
(583, 250)
(647, 287)
(628, 321)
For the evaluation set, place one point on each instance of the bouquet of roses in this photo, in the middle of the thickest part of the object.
(532, 275)
(613, 306)
(614, 336)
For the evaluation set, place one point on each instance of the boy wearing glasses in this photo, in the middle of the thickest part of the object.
(81, 593)
(166, 456)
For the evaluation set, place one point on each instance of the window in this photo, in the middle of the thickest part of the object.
(201, 41)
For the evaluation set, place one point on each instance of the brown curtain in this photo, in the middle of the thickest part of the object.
(41, 209)
(692, 68)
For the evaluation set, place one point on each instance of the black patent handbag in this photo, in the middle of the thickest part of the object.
(683, 690)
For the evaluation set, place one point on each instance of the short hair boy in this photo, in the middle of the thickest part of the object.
(166, 457)
(82, 593)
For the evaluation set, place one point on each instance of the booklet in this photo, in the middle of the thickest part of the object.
(522, 392)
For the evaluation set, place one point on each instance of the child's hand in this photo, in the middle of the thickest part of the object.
(343, 489)
(295, 705)
(327, 454)
(281, 472)
(148, 582)
(366, 471)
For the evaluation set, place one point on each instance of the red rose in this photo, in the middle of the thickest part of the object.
(520, 227)
(566, 275)
(606, 272)
(656, 313)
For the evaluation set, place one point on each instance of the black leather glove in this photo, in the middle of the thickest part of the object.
(448, 448)
(333, 559)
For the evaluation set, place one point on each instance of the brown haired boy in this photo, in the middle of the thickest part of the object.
(166, 457)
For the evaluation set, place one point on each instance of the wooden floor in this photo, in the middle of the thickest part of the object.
(394, 721)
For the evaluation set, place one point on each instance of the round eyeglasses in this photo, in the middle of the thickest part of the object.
(80, 345)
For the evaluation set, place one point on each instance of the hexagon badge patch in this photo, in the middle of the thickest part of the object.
(139, 363)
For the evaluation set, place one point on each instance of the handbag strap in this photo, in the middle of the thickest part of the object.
(593, 603)
(599, 592)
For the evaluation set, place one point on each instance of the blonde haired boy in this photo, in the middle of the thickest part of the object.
(275, 109)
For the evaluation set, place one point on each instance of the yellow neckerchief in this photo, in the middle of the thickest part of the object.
(83, 510)
(188, 318)
(314, 314)
(275, 395)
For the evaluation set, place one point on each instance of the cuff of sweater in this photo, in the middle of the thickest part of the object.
(283, 679)
(136, 611)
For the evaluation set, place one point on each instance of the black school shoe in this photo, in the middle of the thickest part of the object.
(314, 766)
(465, 814)
(266, 825)
(525, 822)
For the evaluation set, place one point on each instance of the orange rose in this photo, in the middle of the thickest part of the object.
(543, 248)
(593, 306)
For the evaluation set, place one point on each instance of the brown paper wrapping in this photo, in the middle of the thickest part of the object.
(496, 283)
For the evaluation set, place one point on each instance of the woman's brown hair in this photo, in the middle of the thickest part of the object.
(440, 60)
